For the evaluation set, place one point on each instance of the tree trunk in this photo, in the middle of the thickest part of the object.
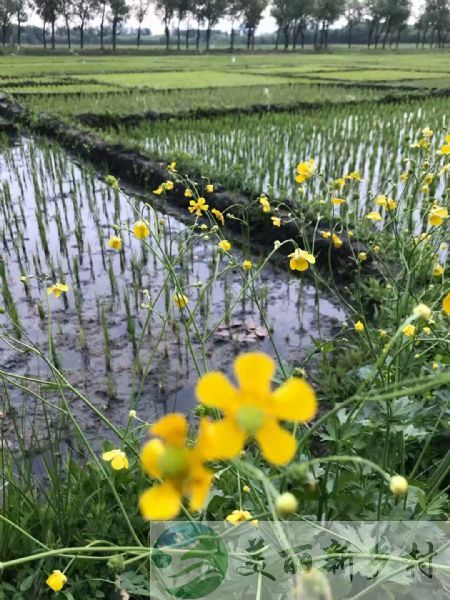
(69, 41)
(53, 35)
(187, 36)
(102, 27)
(197, 39)
(277, 40)
(4, 26)
(19, 23)
(44, 36)
(178, 36)
(350, 31)
(139, 36)
(249, 38)
(82, 35)
(232, 39)
(208, 36)
(114, 33)
(286, 37)
(167, 34)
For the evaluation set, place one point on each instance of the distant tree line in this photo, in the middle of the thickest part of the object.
(191, 23)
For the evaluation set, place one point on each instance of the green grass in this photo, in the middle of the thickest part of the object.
(182, 79)
(181, 100)
(64, 65)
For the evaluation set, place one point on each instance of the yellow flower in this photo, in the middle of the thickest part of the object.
(141, 230)
(57, 289)
(168, 186)
(435, 366)
(339, 183)
(180, 300)
(246, 489)
(253, 410)
(56, 581)
(427, 132)
(404, 176)
(219, 216)
(374, 216)
(117, 458)
(376, 248)
(445, 149)
(188, 193)
(398, 485)
(382, 333)
(180, 469)
(159, 190)
(198, 206)
(247, 265)
(427, 330)
(422, 143)
(409, 330)
(391, 204)
(264, 203)
(359, 326)
(446, 304)
(115, 242)
(337, 201)
(437, 215)
(362, 256)
(438, 270)
(300, 260)
(355, 176)
(209, 188)
(224, 245)
(305, 171)
(337, 242)
(326, 234)
(381, 200)
(172, 167)
(276, 221)
(241, 516)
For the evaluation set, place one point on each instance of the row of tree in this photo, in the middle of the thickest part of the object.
(384, 20)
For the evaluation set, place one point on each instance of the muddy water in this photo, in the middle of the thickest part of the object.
(41, 183)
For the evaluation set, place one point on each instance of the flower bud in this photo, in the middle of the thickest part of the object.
(286, 504)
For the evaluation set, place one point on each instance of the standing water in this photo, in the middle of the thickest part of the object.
(116, 334)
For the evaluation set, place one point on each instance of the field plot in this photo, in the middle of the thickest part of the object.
(236, 315)
(260, 152)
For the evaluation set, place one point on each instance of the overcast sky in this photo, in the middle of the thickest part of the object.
(267, 24)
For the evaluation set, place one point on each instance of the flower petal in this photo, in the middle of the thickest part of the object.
(199, 489)
(172, 429)
(294, 400)
(254, 372)
(278, 445)
(160, 502)
(150, 456)
(224, 441)
(109, 455)
(119, 462)
(215, 389)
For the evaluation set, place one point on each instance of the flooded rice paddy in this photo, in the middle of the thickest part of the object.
(116, 334)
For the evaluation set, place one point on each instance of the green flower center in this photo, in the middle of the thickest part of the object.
(250, 419)
(173, 462)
